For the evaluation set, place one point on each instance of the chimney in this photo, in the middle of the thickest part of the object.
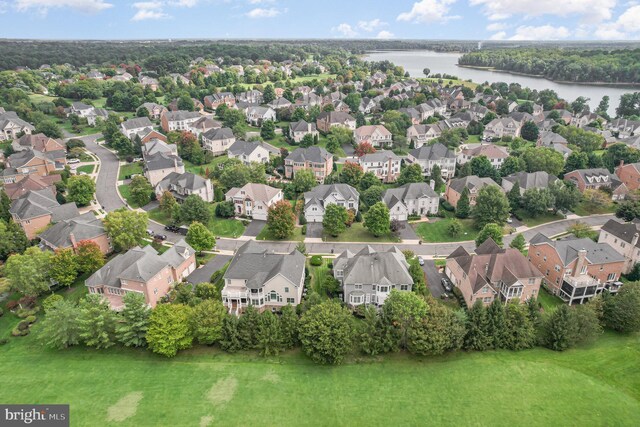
(432, 184)
(635, 239)
(73, 240)
(582, 259)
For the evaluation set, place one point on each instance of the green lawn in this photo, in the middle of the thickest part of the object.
(86, 169)
(437, 232)
(220, 227)
(202, 169)
(318, 274)
(265, 234)
(586, 209)
(549, 302)
(128, 170)
(203, 386)
(473, 139)
(357, 233)
(530, 221)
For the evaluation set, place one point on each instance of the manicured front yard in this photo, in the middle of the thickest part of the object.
(202, 169)
(357, 233)
(129, 169)
(438, 231)
(530, 221)
(586, 209)
(125, 192)
(220, 227)
(265, 234)
(88, 169)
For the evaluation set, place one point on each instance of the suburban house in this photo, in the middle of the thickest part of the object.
(197, 105)
(217, 141)
(298, 130)
(314, 158)
(254, 200)
(473, 183)
(88, 112)
(251, 96)
(494, 153)
(575, 269)
(414, 199)
(32, 162)
(280, 102)
(248, 152)
(32, 183)
(497, 128)
(623, 238)
(624, 127)
(11, 125)
(35, 210)
(259, 277)
(204, 124)
(214, 101)
(316, 200)
(595, 179)
(160, 159)
(384, 164)
(629, 174)
(527, 181)
(132, 127)
(258, 115)
(369, 276)
(149, 135)
(183, 185)
(329, 119)
(144, 271)
(67, 233)
(376, 135)
(421, 134)
(39, 142)
(493, 273)
(428, 156)
(149, 82)
(178, 120)
(155, 110)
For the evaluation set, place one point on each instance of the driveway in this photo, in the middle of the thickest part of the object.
(204, 273)
(349, 150)
(433, 278)
(314, 230)
(254, 228)
(407, 232)
(106, 192)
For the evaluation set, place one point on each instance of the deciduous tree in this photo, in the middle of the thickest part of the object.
(377, 221)
(326, 332)
(80, 189)
(169, 329)
(126, 228)
(200, 237)
(132, 331)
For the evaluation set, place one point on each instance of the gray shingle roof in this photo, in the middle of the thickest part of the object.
(371, 267)
(623, 230)
(138, 122)
(312, 154)
(597, 253)
(218, 134)
(161, 160)
(471, 182)
(526, 180)
(83, 227)
(41, 202)
(239, 148)
(410, 191)
(436, 151)
(257, 265)
(182, 180)
(379, 156)
(322, 191)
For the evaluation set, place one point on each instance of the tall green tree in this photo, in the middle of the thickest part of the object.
(373, 334)
(477, 325)
(230, 336)
(89, 257)
(326, 332)
(493, 231)
(97, 322)
(559, 330)
(514, 197)
(519, 332)
(200, 237)
(206, 321)
(269, 334)
(64, 267)
(248, 328)
(28, 273)
(497, 324)
(530, 131)
(126, 228)
(289, 327)
(377, 219)
(60, 327)
(622, 311)
(334, 220)
(132, 330)
(410, 174)
(402, 310)
(141, 190)
(195, 209)
(303, 180)
(518, 243)
(13, 240)
(80, 189)
(169, 329)
(492, 206)
(463, 207)
(281, 220)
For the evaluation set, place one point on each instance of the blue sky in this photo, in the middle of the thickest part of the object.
(413, 19)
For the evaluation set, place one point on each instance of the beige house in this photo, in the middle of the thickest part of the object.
(376, 135)
(35, 210)
(497, 128)
(623, 237)
(11, 125)
(254, 200)
(248, 152)
(263, 279)
(496, 154)
(183, 185)
(178, 120)
(473, 183)
(329, 119)
(298, 130)
(384, 164)
(218, 141)
(493, 273)
(144, 271)
(160, 159)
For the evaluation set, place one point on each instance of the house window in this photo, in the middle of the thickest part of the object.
(286, 290)
(358, 287)
(384, 289)
(583, 270)
(486, 300)
(291, 300)
(485, 290)
(532, 280)
(611, 276)
(355, 299)
(404, 287)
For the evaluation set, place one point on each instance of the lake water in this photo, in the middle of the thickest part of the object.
(440, 62)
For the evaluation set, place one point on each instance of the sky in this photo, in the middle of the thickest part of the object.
(324, 19)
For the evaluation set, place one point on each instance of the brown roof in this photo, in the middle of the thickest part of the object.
(32, 183)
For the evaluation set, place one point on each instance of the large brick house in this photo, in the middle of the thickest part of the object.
(314, 158)
(69, 232)
(493, 273)
(329, 119)
(629, 174)
(596, 179)
(473, 183)
(35, 210)
(178, 120)
(574, 269)
(144, 271)
(623, 238)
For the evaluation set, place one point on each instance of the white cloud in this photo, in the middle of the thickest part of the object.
(384, 34)
(149, 10)
(426, 11)
(542, 32)
(87, 6)
(261, 1)
(501, 35)
(183, 3)
(344, 30)
(497, 26)
(625, 27)
(263, 13)
(372, 25)
(587, 10)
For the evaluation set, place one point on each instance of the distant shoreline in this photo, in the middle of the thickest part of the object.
(516, 73)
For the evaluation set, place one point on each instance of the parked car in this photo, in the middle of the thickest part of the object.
(137, 159)
(160, 237)
(183, 230)
(73, 161)
(446, 284)
(420, 260)
(150, 232)
(172, 228)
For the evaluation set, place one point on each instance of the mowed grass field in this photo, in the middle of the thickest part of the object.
(595, 385)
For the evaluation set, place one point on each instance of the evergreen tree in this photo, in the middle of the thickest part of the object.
(519, 330)
(463, 208)
(436, 176)
(477, 337)
(496, 324)
(518, 243)
(97, 322)
(269, 334)
(206, 321)
(248, 328)
(374, 336)
(558, 329)
(132, 331)
(289, 327)
(230, 336)
(60, 327)
(514, 197)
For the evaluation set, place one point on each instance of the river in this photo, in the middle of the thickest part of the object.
(414, 61)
